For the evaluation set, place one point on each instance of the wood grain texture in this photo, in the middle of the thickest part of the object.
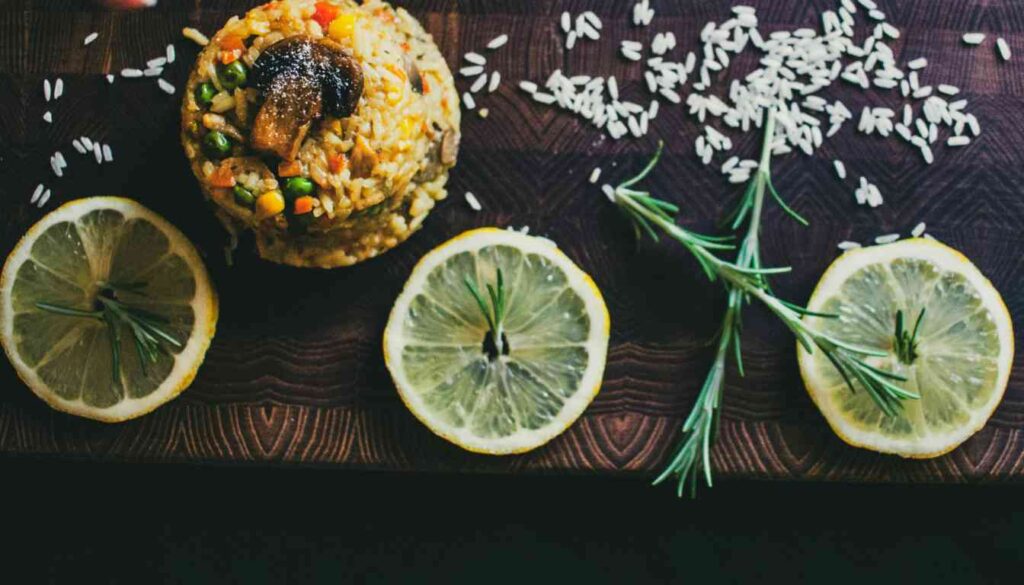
(295, 374)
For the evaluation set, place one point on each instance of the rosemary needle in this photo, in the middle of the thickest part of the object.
(149, 331)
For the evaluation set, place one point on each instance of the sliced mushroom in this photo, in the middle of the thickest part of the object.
(291, 105)
(413, 73)
(449, 147)
(300, 79)
(441, 155)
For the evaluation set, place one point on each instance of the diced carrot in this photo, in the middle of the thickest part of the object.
(232, 43)
(303, 205)
(289, 168)
(325, 13)
(425, 83)
(228, 57)
(222, 178)
(337, 163)
(405, 47)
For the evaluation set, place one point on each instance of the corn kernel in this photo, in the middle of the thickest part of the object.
(343, 26)
(269, 204)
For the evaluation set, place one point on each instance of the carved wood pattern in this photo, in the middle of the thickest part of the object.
(295, 374)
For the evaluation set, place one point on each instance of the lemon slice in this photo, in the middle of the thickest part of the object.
(91, 254)
(959, 362)
(457, 382)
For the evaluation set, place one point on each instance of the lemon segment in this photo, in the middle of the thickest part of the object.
(67, 259)
(556, 326)
(964, 347)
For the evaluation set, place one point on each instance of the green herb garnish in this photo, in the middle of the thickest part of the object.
(149, 331)
(905, 342)
(494, 312)
(745, 278)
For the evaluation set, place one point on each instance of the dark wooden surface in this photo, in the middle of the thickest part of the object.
(295, 376)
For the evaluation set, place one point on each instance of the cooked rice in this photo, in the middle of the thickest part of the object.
(358, 216)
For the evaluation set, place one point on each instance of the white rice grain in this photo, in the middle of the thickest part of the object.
(1004, 48)
(479, 84)
(475, 58)
(58, 88)
(108, 154)
(494, 83)
(919, 63)
(974, 39)
(473, 202)
(918, 230)
(471, 71)
(131, 73)
(468, 101)
(848, 245)
(97, 152)
(544, 98)
(609, 192)
(171, 54)
(926, 152)
(44, 198)
(47, 90)
(595, 175)
(36, 194)
(165, 86)
(498, 42)
(90, 38)
(840, 168)
(48, 117)
(887, 239)
(958, 141)
(78, 146)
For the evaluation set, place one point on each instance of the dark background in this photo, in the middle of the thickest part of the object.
(141, 523)
(112, 523)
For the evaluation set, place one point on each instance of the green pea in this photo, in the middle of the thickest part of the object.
(296, 187)
(232, 75)
(216, 144)
(205, 93)
(244, 197)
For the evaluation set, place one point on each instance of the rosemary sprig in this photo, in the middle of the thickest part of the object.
(744, 279)
(150, 333)
(493, 313)
(905, 341)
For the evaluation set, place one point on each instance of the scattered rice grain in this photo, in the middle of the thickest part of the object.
(195, 36)
(498, 42)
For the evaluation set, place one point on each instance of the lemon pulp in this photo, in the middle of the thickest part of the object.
(963, 348)
(115, 247)
(454, 378)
